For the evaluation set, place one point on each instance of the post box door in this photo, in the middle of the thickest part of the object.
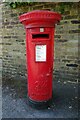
(40, 62)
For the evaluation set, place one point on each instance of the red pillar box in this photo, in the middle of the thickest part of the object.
(40, 26)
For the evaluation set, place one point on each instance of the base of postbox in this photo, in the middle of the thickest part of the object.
(39, 105)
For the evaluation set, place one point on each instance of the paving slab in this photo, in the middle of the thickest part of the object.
(64, 103)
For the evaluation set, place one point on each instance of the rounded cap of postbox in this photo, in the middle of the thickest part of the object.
(40, 18)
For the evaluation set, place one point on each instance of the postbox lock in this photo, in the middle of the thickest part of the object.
(41, 29)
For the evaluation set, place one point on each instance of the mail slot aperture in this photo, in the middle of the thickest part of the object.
(40, 36)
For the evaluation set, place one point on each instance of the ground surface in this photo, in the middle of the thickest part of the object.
(65, 101)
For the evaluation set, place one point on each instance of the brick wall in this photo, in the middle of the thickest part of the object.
(66, 62)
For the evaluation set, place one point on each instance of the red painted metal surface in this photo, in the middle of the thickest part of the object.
(40, 27)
